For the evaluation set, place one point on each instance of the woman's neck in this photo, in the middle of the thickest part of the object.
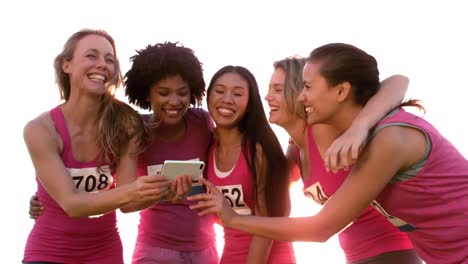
(228, 138)
(345, 116)
(171, 132)
(82, 111)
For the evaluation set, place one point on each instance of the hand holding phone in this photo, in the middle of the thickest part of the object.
(192, 168)
(174, 168)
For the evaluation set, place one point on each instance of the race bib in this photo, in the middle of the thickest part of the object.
(235, 196)
(91, 179)
(400, 224)
(316, 193)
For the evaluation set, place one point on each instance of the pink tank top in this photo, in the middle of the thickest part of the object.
(238, 189)
(370, 234)
(176, 226)
(435, 201)
(56, 237)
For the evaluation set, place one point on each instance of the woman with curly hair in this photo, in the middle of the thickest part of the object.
(167, 78)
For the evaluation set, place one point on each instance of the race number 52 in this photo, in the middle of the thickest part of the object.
(235, 196)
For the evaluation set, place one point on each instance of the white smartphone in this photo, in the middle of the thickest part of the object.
(174, 168)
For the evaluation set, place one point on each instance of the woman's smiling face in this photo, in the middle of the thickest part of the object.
(228, 99)
(170, 99)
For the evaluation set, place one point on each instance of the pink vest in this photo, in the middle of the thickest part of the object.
(370, 234)
(435, 201)
(238, 189)
(56, 237)
(176, 226)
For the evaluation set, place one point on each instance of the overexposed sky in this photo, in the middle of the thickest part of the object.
(425, 41)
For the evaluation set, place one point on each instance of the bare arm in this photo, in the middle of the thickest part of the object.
(391, 93)
(44, 152)
(126, 173)
(388, 152)
(294, 170)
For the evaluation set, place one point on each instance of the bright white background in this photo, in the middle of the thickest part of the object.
(425, 41)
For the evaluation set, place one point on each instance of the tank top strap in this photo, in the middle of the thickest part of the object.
(60, 125)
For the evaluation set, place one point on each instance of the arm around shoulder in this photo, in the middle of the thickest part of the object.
(390, 95)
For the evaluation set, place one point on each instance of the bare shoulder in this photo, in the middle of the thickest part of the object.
(40, 128)
(395, 137)
(403, 142)
(39, 123)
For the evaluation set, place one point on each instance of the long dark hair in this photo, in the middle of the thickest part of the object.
(255, 130)
(342, 62)
(346, 63)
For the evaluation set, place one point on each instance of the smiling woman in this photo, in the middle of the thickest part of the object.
(247, 164)
(429, 51)
(167, 78)
(75, 176)
(405, 154)
(371, 238)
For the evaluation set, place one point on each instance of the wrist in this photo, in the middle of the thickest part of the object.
(364, 123)
(127, 194)
(232, 221)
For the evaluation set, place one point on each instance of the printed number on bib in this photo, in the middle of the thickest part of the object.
(316, 193)
(91, 179)
(235, 196)
(400, 224)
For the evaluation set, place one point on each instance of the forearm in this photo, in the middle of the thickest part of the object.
(283, 228)
(259, 251)
(391, 93)
(87, 204)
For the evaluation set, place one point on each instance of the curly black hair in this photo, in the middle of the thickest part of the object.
(157, 62)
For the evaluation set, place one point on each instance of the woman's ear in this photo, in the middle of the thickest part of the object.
(66, 66)
(343, 91)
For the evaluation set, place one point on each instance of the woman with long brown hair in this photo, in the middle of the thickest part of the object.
(81, 150)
